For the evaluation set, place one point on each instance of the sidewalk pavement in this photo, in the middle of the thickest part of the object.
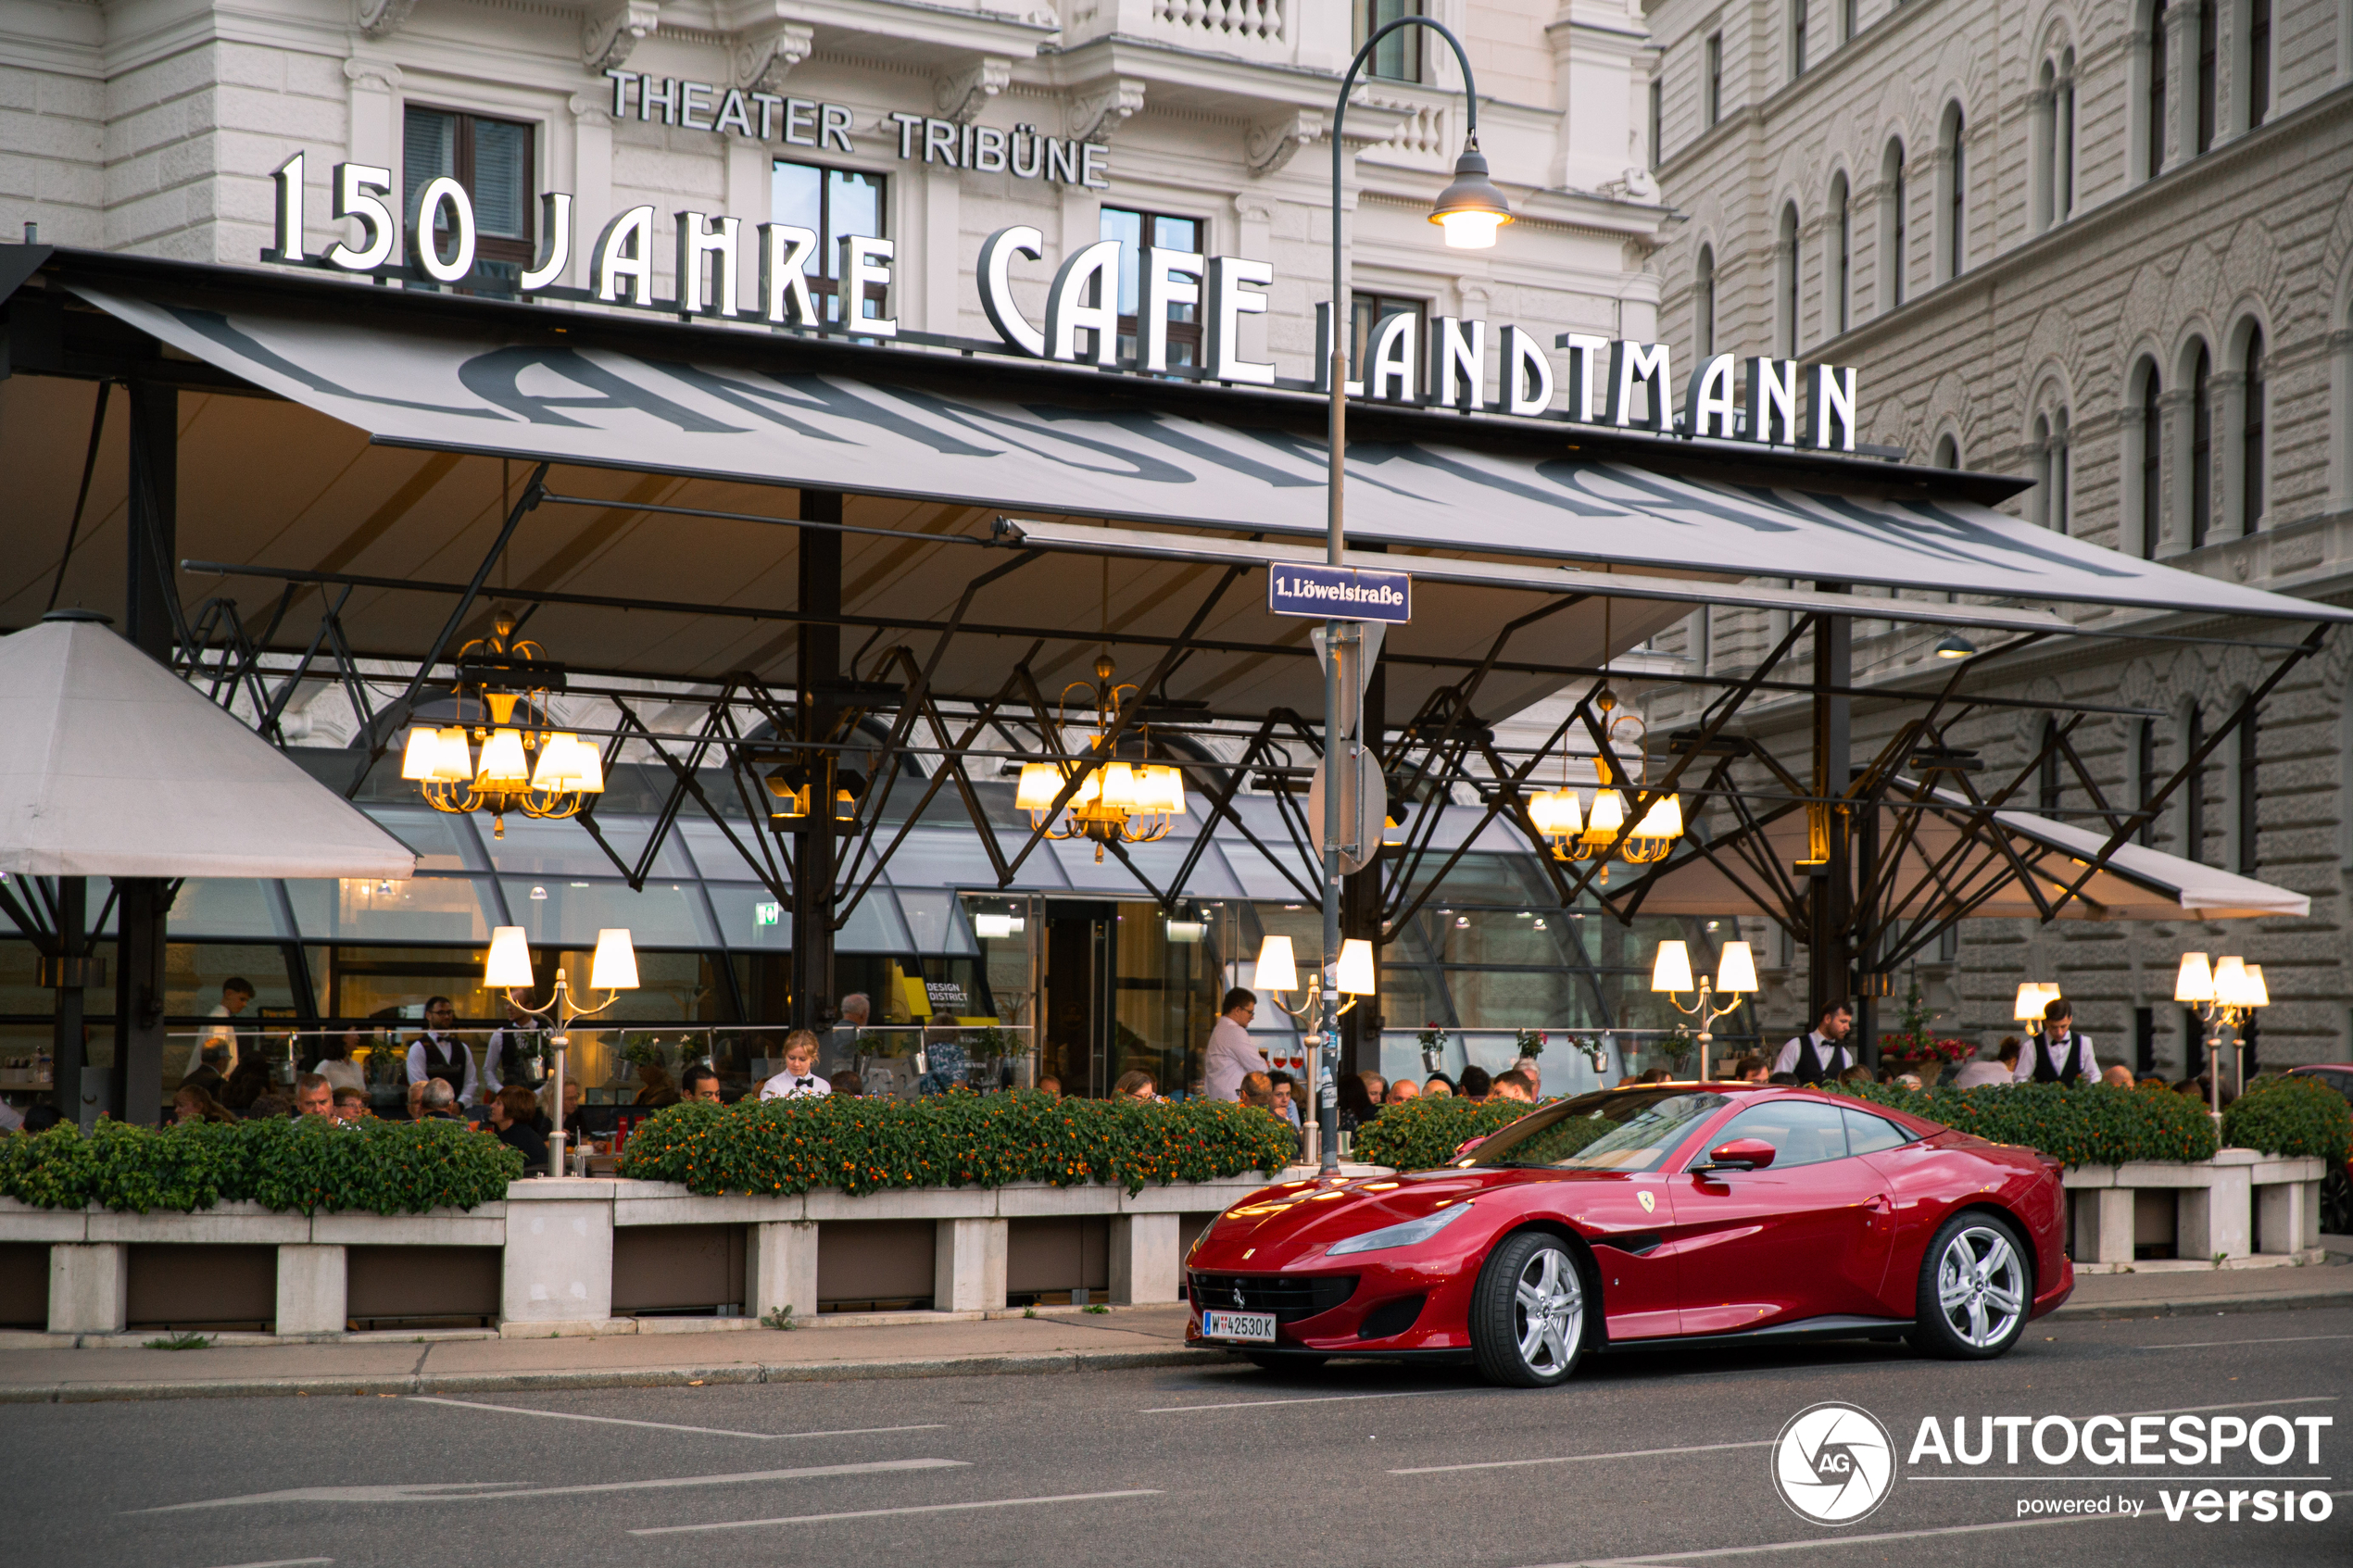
(1056, 1339)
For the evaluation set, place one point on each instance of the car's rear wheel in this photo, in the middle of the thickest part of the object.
(2336, 1203)
(1527, 1313)
(1976, 1285)
(1269, 1362)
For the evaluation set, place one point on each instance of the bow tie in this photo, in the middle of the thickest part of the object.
(805, 1083)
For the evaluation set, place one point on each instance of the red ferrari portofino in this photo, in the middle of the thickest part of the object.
(1722, 1214)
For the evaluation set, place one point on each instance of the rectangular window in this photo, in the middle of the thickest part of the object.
(831, 203)
(2245, 788)
(2258, 61)
(1369, 311)
(1134, 230)
(491, 158)
(1658, 122)
(2155, 109)
(2144, 766)
(1713, 89)
(1399, 59)
(2209, 51)
(1797, 19)
(2144, 1041)
(1846, 20)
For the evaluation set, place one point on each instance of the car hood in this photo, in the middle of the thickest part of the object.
(1302, 1214)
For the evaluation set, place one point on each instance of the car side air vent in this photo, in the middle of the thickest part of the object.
(1641, 1245)
(1392, 1318)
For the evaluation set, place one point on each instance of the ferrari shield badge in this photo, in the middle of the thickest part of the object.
(1649, 1203)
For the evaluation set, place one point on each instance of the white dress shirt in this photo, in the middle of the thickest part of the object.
(2057, 1052)
(1978, 1074)
(498, 1053)
(342, 1075)
(471, 1088)
(795, 1085)
(221, 1035)
(1836, 1056)
(1230, 1057)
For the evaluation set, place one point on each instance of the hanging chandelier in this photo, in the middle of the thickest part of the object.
(1116, 802)
(540, 772)
(1578, 833)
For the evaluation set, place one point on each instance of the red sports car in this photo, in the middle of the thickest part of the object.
(1724, 1214)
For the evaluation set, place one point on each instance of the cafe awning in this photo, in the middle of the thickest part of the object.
(110, 765)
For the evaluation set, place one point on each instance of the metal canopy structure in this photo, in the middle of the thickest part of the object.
(785, 549)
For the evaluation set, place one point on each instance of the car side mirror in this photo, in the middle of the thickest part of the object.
(1741, 1154)
(1466, 1147)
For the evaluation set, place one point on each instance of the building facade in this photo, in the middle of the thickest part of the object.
(2107, 246)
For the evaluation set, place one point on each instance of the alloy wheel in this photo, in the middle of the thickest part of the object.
(1548, 1311)
(1980, 1286)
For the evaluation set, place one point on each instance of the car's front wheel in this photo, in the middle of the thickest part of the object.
(1976, 1285)
(1527, 1313)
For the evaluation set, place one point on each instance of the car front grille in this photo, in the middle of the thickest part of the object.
(1289, 1296)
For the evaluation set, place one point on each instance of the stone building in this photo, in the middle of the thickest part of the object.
(2107, 246)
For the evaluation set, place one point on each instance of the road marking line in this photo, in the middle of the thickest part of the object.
(1578, 1459)
(284, 1563)
(1311, 1399)
(885, 1512)
(671, 1426)
(2184, 1479)
(1647, 1558)
(504, 1491)
(2211, 1344)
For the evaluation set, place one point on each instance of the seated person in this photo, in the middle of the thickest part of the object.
(701, 1082)
(2117, 1076)
(1437, 1085)
(1402, 1091)
(1749, 1070)
(437, 1100)
(547, 1104)
(658, 1090)
(846, 1081)
(194, 1103)
(1859, 1074)
(1049, 1085)
(1134, 1086)
(1782, 1078)
(1655, 1075)
(314, 1097)
(2001, 1070)
(351, 1105)
(1285, 1098)
(1514, 1085)
(1358, 1103)
(211, 1069)
(335, 1064)
(248, 1081)
(512, 1111)
(798, 1080)
(1475, 1084)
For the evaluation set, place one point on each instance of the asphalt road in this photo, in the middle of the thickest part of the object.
(1644, 1459)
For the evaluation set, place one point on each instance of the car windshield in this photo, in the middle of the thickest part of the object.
(1614, 1130)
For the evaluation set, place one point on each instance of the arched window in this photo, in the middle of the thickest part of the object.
(1786, 260)
(2152, 498)
(2145, 776)
(1704, 302)
(1952, 144)
(2208, 63)
(2193, 787)
(1948, 451)
(2251, 435)
(2153, 114)
(1841, 290)
(1890, 185)
(2062, 477)
(2245, 797)
(2201, 446)
(2063, 141)
(2042, 149)
(2043, 470)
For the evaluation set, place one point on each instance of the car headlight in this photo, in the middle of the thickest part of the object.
(1406, 1234)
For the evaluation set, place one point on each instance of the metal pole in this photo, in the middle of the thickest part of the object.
(67, 1051)
(817, 668)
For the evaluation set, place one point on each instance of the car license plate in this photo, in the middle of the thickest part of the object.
(1257, 1327)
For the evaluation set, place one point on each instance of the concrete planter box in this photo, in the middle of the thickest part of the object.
(2212, 1212)
(557, 1242)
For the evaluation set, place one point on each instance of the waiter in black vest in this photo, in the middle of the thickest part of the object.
(1822, 1052)
(437, 1053)
(2058, 1054)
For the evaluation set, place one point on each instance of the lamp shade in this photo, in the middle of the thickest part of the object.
(1119, 787)
(2258, 994)
(556, 771)
(1671, 971)
(1664, 820)
(1608, 814)
(1355, 974)
(588, 764)
(1040, 781)
(2231, 988)
(1557, 813)
(509, 968)
(457, 764)
(2195, 980)
(1276, 971)
(2031, 994)
(992, 928)
(420, 758)
(1736, 968)
(1470, 209)
(614, 967)
(502, 761)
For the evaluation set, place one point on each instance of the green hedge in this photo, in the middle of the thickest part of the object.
(2296, 1118)
(955, 1140)
(2087, 1125)
(304, 1164)
(1422, 1133)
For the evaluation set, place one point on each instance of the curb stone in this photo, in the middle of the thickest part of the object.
(2202, 1306)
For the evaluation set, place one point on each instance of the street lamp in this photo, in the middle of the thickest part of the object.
(612, 969)
(2224, 994)
(1470, 210)
(1352, 977)
(1735, 976)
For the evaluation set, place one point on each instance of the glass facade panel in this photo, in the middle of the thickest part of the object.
(935, 923)
(666, 914)
(442, 842)
(749, 917)
(423, 909)
(226, 907)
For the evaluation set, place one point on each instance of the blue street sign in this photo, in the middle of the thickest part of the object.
(1340, 593)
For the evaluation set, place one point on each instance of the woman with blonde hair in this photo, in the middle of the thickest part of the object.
(798, 1080)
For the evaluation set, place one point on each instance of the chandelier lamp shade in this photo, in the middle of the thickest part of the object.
(520, 766)
(2033, 995)
(1114, 800)
(1579, 831)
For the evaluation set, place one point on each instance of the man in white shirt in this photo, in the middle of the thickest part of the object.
(2057, 1054)
(437, 1053)
(510, 1045)
(236, 995)
(1230, 1056)
(1822, 1052)
(2003, 1068)
(798, 1080)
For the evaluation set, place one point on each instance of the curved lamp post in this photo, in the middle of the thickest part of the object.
(612, 969)
(1470, 210)
(1735, 977)
(2224, 994)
